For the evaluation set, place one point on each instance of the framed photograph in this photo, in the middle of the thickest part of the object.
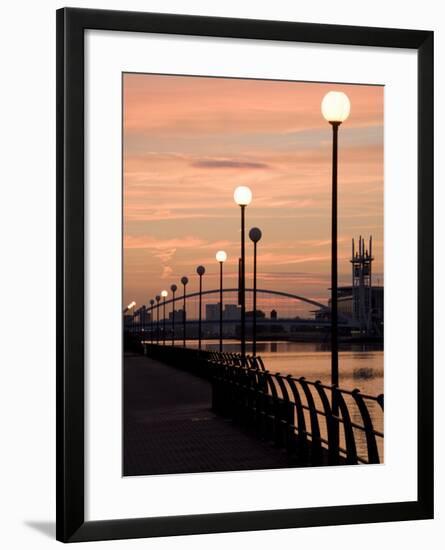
(245, 275)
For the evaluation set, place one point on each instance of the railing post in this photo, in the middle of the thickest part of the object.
(373, 453)
(287, 413)
(301, 443)
(332, 426)
(351, 448)
(316, 447)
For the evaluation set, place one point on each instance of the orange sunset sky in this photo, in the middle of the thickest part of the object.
(189, 141)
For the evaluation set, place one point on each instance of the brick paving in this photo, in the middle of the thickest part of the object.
(169, 426)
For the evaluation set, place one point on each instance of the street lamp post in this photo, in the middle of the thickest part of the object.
(129, 308)
(184, 282)
(243, 197)
(152, 303)
(335, 108)
(221, 257)
(158, 298)
(164, 295)
(200, 270)
(136, 321)
(143, 319)
(255, 235)
(173, 288)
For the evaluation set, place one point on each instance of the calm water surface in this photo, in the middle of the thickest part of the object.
(360, 365)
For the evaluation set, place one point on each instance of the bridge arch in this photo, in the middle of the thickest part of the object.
(259, 290)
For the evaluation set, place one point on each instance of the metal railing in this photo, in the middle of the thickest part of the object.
(292, 412)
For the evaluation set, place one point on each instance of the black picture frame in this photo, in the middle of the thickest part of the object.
(71, 24)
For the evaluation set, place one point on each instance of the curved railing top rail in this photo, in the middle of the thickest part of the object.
(250, 364)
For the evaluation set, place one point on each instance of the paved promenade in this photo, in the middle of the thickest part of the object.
(169, 426)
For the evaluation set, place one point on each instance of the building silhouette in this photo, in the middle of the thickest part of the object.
(259, 314)
(361, 301)
(232, 312)
(212, 312)
(179, 315)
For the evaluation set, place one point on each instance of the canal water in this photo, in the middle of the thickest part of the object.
(360, 366)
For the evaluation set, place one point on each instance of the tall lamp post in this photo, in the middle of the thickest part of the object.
(128, 310)
(158, 298)
(143, 319)
(255, 235)
(221, 257)
(173, 288)
(152, 303)
(335, 108)
(164, 295)
(184, 282)
(129, 307)
(243, 197)
(136, 320)
(200, 270)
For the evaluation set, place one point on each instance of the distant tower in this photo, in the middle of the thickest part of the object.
(362, 284)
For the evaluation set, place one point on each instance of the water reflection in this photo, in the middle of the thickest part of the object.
(360, 364)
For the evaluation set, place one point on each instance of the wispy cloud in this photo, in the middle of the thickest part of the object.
(239, 164)
(155, 244)
(166, 272)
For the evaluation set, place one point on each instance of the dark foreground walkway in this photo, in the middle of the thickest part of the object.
(169, 426)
